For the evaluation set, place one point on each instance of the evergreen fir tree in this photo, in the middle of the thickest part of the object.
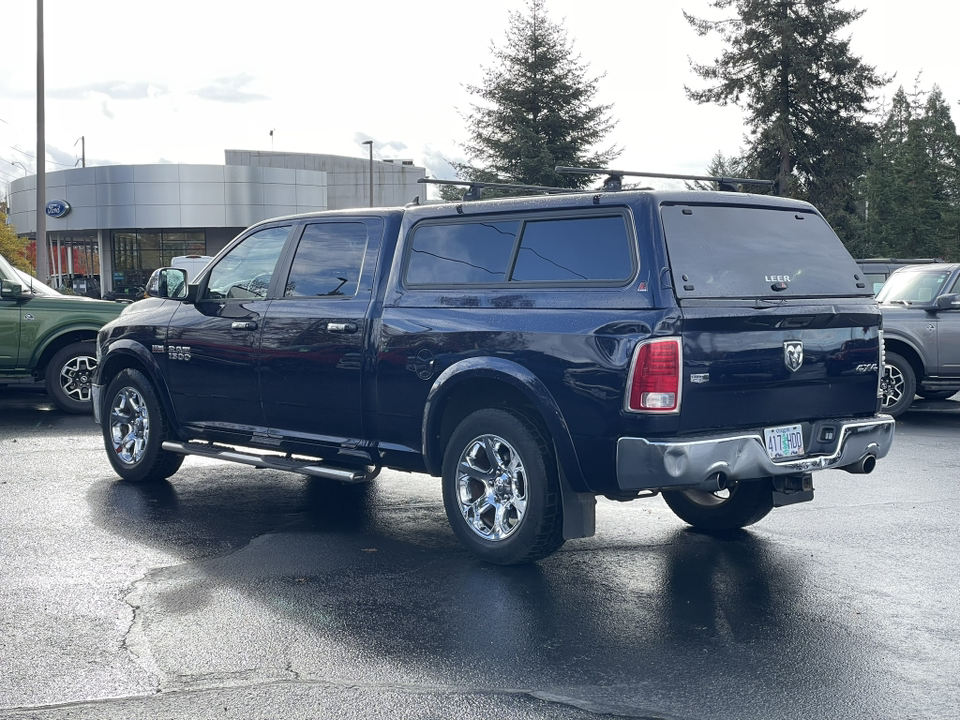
(805, 94)
(912, 188)
(720, 166)
(942, 145)
(535, 110)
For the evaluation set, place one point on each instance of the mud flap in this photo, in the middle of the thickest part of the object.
(579, 511)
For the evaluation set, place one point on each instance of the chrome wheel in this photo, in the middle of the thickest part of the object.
(129, 425)
(893, 386)
(135, 424)
(491, 487)
(76, 376)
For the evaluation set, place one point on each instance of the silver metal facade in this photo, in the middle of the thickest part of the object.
(348, 178)
(127, 197)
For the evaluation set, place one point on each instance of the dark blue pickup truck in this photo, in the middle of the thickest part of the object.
(534, 352)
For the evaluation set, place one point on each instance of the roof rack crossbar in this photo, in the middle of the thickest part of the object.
(614, 177)
(475, 189)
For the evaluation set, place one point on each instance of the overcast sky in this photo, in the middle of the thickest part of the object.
(182, 80)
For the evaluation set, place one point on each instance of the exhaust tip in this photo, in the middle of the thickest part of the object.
(864, 466)
(714, 483)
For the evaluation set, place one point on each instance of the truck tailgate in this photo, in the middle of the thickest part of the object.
(785, 366)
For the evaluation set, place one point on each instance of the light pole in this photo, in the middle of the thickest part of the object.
(83, 150)
(43, 263)
(370, 143)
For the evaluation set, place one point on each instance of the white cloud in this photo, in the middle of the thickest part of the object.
(438, 164)
(230, 90)
(113, 89)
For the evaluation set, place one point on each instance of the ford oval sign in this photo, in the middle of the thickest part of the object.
(57, 208)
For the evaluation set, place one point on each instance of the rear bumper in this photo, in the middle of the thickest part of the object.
(668, 463)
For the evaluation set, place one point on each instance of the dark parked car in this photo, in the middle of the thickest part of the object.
(533, 352)
(127, 293)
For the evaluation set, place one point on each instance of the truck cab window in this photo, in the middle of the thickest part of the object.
(245, 272)
(328, 261)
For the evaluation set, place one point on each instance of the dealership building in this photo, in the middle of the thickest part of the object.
(121, 222)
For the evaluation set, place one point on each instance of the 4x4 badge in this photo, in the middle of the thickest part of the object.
(793, 354)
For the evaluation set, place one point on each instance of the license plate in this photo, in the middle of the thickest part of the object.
(784, 442)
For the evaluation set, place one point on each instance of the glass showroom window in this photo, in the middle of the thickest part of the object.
(136, 254)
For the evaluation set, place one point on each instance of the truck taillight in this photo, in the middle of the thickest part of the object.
(654, 381)
(883, 366)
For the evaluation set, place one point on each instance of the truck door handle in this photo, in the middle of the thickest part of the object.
(342, 327)
(244, 325)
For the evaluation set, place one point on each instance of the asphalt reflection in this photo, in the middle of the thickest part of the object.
(27, 409)
(666, 622)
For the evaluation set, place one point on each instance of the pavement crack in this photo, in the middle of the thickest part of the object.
(604, 709)
(133, 641)
(215, 683)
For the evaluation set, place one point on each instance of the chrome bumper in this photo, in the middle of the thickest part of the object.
(644, 464)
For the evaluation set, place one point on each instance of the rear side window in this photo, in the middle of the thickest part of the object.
(328, 261)
(592, 250)
(574, 249)
(725, 251)
(462, 253)
(875, 280)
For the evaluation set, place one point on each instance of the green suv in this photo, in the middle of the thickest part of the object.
(50, 337)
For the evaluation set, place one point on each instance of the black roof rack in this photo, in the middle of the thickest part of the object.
(614, 180)
(475, 189)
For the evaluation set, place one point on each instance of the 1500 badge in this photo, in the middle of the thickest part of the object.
(174, 352)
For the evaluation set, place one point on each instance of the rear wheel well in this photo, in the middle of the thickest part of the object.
(474, 395)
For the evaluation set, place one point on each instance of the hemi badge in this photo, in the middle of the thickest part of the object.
(700, 378)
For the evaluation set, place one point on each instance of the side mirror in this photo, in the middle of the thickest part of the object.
(10, 290)
(950, 301)
(168, 282)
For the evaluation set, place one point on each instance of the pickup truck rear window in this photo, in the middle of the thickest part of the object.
(738, 251)
(593, 250)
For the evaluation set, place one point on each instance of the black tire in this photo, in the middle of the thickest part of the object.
(68, 377)
(899, 385)
(935, 394)
(505, 531)
(743, 504)
(134, 428)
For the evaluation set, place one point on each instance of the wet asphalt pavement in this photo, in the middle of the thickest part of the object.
(232, 592)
